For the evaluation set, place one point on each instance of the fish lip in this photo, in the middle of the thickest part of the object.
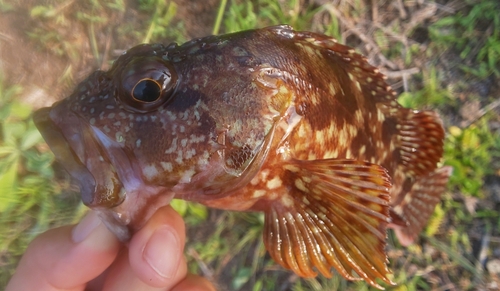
(102, 168)
(65, 153)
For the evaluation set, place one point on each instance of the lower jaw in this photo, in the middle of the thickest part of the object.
(61, 148)
(78, 148)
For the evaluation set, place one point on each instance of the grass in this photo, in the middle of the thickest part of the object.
(227, 247)
(28, 198)
(475, 34)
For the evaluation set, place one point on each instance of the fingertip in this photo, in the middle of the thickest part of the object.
(90, 249)
(56, 260)
(91, 233)
(156, 251)
(162, 242)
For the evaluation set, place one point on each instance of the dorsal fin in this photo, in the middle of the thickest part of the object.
(356, 65)
(332, 213)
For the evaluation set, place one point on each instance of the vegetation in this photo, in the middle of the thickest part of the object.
(441, 56)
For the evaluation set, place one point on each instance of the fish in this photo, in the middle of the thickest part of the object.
(288, 123)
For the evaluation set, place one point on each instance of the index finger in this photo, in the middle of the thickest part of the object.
(66, 258)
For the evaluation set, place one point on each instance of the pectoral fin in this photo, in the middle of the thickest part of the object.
(334, 213)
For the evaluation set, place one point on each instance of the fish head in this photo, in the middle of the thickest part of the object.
(185, 121)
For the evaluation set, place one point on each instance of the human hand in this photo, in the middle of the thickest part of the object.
(89, 257)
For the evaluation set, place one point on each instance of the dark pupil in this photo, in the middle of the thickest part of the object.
(147, 91)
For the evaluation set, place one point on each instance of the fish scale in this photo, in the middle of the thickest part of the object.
(285, 122)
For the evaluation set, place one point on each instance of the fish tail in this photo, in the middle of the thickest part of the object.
(418, 184)
(418, 204)
(420, 140)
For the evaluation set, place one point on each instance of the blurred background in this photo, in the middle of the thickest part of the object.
(442, 55)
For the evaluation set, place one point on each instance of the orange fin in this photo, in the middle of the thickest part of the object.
(418, 204)
(421, 137)
(331, 213)
(396, 219)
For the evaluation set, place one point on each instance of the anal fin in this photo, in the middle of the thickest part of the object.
(419, 203)
(331, 213)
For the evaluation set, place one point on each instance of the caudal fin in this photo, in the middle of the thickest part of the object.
(418, 184)
(419, 203)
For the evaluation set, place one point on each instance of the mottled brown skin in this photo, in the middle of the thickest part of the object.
(289, 123)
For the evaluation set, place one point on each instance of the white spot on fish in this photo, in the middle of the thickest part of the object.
(258, 193)
(196, 139)
(179, 157)
(348, 154)
(264, 174)
(362, 150)
(173, 146)
(274, 183)
(190, 153)
(300, 185)
(358, 85)
(380, 115)
(287, 201)
(187, 175)
(167, 166)
(119, 137)
(150, 171)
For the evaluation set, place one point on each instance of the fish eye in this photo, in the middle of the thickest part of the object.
(146, 83)
(146, 90)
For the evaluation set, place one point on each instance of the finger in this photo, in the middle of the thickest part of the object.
(155, 257)
(66, 258)
(194, 283)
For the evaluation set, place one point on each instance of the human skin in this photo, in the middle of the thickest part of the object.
(89, 257)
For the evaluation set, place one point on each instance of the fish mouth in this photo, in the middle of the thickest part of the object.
(81, 154)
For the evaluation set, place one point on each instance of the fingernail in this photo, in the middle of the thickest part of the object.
(92, 233)
(85, 227)
(162, 252)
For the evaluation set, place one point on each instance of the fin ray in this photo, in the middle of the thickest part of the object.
(312, 246)
(418, 204)
(333, 213)
(300, 245)
(319, 245)
(352, 246)
(420, 141)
